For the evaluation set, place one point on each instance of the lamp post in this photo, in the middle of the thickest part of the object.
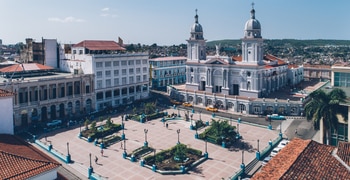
(68, 148)
(90, 170)
(200, 115)
(146, 143)
(154, 167)
(281, 130)
(258, 152)
(68, 158)
(242, 165)
(178, 136)
(191, 126)
(206, 148)
(123, 135)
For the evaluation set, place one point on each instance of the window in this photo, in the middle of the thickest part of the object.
(116, 81)
(138, 61)
(116, 72)
(99, 84)
(144, 61)
(123, 63)
(80, 51)
(99, 64)
(131, 80)
(108, 83)
(131, 62)
(144, 77)
(123, 71)
(144, 69)
(116, 92)
(131, 71)
(138, 78)
(108, 73)
(115, 63)
(74, 51)
(99, 74)
(108, 64)
(124, 81)
(138, 70)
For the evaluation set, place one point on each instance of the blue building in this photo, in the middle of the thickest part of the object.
(167, 71)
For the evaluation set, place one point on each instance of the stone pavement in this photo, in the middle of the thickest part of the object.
(222, 163)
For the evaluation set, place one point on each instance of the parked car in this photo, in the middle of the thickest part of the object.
(187, 104)
(54, 123)
(275, 151)
(266, 160)
(275, 117)
(283, 143)
(212, 109)
(175, 102)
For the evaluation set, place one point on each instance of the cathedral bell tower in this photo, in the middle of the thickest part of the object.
(196, 44)
(252, 42)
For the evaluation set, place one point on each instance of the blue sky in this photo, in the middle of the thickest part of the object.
(168, 22)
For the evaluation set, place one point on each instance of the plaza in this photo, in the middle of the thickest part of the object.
(222, 162)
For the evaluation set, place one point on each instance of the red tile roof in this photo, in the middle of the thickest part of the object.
(20, 160)
(4, 93)
(25, 67)
(237, 58)
(100, 45)
(304, 159)
(344, 152)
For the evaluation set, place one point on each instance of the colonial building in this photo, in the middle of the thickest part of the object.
(167, 71)
(42, 94)
(316, 71)
(238, 83)
(6, 111)
(252, 75)
(120, 77)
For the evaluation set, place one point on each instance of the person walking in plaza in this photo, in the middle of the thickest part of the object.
(166, 125)
(96, 159)
(296, 132)
(102, 152)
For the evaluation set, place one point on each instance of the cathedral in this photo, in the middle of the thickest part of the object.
(253, 74)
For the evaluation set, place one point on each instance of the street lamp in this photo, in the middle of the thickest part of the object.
(154, 155)
(258, 144)
(200, 115)
(146, 143)
(178, 136)
(237, 128)
(90, 160)
(68, 148)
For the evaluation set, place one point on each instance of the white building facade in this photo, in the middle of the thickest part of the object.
(251, 75)
(6, 111)
(120, 78)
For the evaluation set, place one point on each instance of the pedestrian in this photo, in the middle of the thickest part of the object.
(121, 145)
(102, 152)
(166, 125)
(96, 159)
(296, 131)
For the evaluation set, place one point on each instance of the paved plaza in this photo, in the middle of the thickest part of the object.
(222, 163)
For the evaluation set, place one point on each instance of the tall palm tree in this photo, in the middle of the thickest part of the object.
(323, 109)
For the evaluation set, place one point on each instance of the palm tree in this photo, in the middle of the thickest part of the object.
(323, 109)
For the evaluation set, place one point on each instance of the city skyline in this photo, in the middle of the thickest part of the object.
(169, 22)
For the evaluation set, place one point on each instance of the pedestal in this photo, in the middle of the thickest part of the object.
(123, 136)
(182, 168)
(124, 155)
(68, 158)
(154, 168)
(79, 135)
(207, 123)
(206, 155)
(258, 155)
(213, 115)
(102, 145)
(196, 136)
(95, 142)
(239, 120)
(50, 147)
(145, 144)
(223, 144)
(243, 167)
(142, 163)
(269, 127)
(132, 159)
(281, 135)
(90, 170)
(191, 127)
(89, 139)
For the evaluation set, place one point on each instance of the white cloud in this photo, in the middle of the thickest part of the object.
(104, 15)
(105, 9)
(66, 19)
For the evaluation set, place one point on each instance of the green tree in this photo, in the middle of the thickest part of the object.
(93, 127)
(323, 108)
(86, 123)
(150, 108)
(109, 122)
(180, 152)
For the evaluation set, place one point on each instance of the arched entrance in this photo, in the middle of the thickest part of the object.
(44, 114)
(70, 109)
(88, 106)
(77, 108)
(35, 115)
(61, 111)
(53, 112)
(24, 118)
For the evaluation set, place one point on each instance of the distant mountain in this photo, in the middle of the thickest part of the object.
(283, 42)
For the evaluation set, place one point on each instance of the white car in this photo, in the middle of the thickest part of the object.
(283, 143)
(275, 151)
(266, 160)
(54, 123)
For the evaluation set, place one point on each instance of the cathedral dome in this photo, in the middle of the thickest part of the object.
(196, 27)
(252, 27)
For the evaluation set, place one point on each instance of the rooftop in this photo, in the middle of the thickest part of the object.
(305, 159)
(20, 160)
(96, 45)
